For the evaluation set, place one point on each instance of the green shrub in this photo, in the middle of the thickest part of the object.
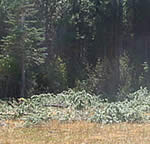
(144, 77)
(117, 112)
(101, 79)
(70, 105)
(52, 78)
(129, 110)
(126, 69)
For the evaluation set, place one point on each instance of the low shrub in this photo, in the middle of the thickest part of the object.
(70, 105)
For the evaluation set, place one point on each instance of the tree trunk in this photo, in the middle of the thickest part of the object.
(22, 56)
(116, 40)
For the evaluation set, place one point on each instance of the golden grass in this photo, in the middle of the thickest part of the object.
(79, 132)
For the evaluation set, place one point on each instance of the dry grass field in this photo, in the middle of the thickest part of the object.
(79, 132)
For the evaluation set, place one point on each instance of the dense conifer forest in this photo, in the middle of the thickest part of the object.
(48, 46)
(73, 70)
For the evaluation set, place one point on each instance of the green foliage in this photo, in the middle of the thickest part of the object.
(22, 44)
(100, 79)
(29, 35)
(7, 66)
(126, 77)
(52, 77)
(51, 41)
(145, 75)
(70, 105)
(129, 110)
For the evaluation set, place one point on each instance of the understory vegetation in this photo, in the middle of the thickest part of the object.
(72, 106)
(72, 60)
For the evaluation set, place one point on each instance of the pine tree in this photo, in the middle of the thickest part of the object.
(24, 41)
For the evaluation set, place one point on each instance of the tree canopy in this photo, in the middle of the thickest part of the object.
(101, 46)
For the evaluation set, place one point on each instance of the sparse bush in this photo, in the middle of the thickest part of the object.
(101, 79)
(52, 78)
(144, 77)
(125, 86)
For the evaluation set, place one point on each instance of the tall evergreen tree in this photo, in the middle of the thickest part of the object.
(24, 41)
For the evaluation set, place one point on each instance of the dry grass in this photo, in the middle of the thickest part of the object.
(75, 133)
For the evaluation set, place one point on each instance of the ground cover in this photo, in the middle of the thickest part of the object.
(79, 132)
(76, 118)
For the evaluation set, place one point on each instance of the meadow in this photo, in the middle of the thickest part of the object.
(76, 118)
